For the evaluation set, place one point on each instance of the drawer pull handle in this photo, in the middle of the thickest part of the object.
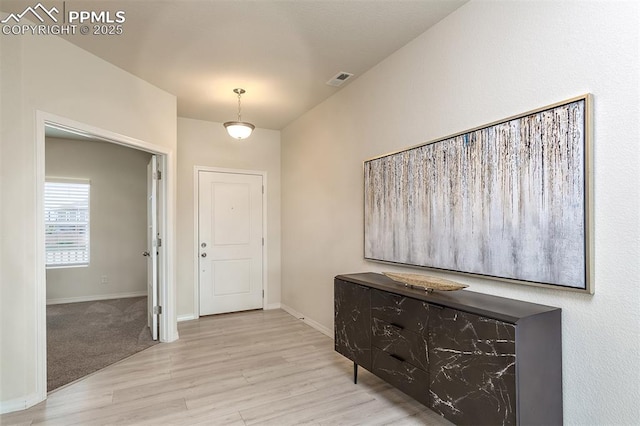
(396, 326)
(399, 358)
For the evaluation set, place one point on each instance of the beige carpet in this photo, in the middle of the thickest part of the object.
(87, 336)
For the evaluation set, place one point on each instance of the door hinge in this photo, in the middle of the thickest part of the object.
(158, 175)
(159, 242)
(157, 310)
(263, 241)
(263, 189)
(263, 294)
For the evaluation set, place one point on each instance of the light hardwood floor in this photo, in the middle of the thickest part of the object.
(257, 367)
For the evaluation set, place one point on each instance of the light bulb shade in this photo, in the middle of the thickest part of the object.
(239, 129)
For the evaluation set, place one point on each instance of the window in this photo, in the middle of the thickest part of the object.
(66, 221)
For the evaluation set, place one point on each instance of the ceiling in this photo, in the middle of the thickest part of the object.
(281, 52)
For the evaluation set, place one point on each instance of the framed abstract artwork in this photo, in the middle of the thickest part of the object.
(510, 200)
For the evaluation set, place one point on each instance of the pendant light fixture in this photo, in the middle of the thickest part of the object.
(239, 129)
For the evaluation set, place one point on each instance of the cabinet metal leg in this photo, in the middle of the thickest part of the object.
(355, 373)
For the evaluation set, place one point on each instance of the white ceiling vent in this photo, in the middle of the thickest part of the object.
(339, 79)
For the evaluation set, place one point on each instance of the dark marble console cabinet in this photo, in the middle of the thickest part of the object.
(474, 358)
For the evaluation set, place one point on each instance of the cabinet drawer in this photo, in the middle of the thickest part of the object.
(404, 376)
(404, 312)
(406, 344)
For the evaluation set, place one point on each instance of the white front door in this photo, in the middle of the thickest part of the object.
(152, 246)
(230, 241)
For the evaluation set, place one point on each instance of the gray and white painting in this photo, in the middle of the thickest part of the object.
(506, 200)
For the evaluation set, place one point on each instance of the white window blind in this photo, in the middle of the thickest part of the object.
(66, 212)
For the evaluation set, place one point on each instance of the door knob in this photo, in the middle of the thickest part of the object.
(145, 253)
(203, 255)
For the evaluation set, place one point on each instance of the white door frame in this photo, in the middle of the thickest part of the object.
(153, 251)
(196, 230)
(167, 282)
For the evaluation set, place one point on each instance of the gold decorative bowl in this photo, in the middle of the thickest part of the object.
(426, 282)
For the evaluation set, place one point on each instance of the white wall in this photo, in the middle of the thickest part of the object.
(204, 143)
(118, 219)
(49, 74)
(487, 61)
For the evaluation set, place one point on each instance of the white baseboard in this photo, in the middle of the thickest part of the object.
(96, 297)
(321, 328)
(19, 404)
(186, 317)
(271, 306)
(189, 317)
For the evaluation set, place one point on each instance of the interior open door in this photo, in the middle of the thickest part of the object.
(153, 245)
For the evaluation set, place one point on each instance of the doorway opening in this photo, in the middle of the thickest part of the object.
(162, 309)
(100, 199)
